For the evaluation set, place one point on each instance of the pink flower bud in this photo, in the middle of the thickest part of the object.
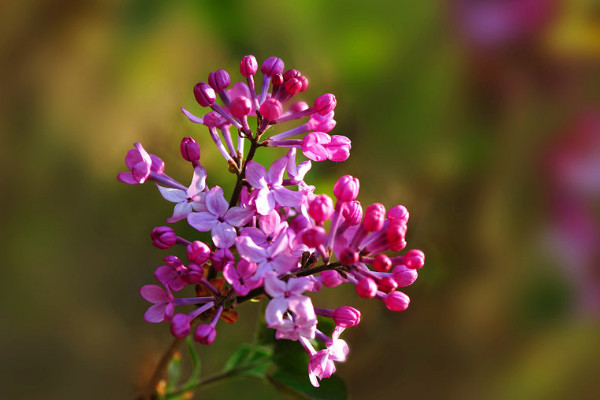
(292, 86)
(346, 317)
(277, 79)
(270, 109)
(205, 334)
(240, 107)
(193, 274)
(213, 120)
(387, 284)
(414, 259)
(395, 232)
(398, 213)
(248, 66)
(331, 278)
(204, 94)
(163, 237)
(349, 257)
(221, 257)
(246, 268)
(180, 325)
(298, 106)
(314, 237)
(374, 217)
(366, 287)
(198, 252)
(321, 123)
(219, 80)
(339, 148)
(299, 223)
(404, 276)
(190, 150)
(314, 146)
(325, 103)
(291, 73)
(346, 188)
(272, 66)
(353, 212)
(382, 263)
(304, 81)
(173, 261)
(396, 301)
(321, 208)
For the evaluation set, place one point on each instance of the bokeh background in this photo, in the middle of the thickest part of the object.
(481, 117)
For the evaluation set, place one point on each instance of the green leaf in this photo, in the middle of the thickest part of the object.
(299, 386)
(195, 376)
(290, 356)
(253, 360)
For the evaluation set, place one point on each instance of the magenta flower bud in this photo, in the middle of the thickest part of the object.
(173, 261)
(277, 79)
(304, 82)
(331, 278)
(396, 301)
(204, 94)
(213, 120)
(190, 149)
(366, 287)
(414, 259)
(248, 66)
(353, 212)
(349, 257)
(163, 237)
(180, 325)
(292, 86)
(298, 106)
(314, 237)
(272, 66)
(240, 107)
(398, 213)
(346, 188)
(382, 263)
(395, 232)
(291, 73)
(325, 103)
(346, 316)
(374, 217)
(322, 123)
(270, 109)
(193, 274)
(299, 223)
(387, 284)
(339, 148)
(198, 252)
(404, 276)
(219, 80)
(221, 257)
(321, 208)
(205, 334)
(246, 268)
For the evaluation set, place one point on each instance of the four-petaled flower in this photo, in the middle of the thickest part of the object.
(188, 200)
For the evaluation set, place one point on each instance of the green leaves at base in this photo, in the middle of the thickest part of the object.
(299, 386)
(249, 360)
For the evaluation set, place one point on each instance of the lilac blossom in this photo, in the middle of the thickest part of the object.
(289, 296)
(188, 200)
(275, 257)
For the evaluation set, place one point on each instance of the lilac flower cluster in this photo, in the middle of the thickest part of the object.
(275, 238)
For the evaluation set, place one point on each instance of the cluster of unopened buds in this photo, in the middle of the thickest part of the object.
(275, 238)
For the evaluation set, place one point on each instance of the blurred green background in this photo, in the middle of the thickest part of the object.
(481, 117)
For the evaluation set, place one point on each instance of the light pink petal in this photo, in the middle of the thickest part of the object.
(248, 249)
(238, 216)
(156, 313)
(256, 175)
(275, 175)
(192, 117)
(198, 182)
(154, 294)
(275, 310)
(302, 307)
(202, 221)
(269, 223)
(255, 234)
(172, 195)
(280, 244)
(134, 156)
(299, 285)
(291, 165)
(287, 197)
(284, 263)
(158, 165)
(230, 274)
(223, 235)
(265, 201)
(199, 203)
(215, 202)
(180, 212)
(274, 286)
(127, 177)
(313, 146)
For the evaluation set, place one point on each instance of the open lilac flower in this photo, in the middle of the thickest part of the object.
(188, 200)
(321, 364)
(270, 228)
(141, 164)
(219, 218)
(162, 308)
(243, 277)
(270, 191)
(288, 296)
(275, 257)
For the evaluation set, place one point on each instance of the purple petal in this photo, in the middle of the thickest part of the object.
(269, 223)
(299, 285)
(256, 175)
(192, 117)
(287, 197)
(280, 244)
(256, 235)
(180, 212)
(198, 182)
(172, 195)
(154, 294)
(126, 177)
(302, 307)
(275, 175)
(202, 221)
(275, 310)
(223, 235)
(164, 274)
(265, 201)
(215, 201)
(284, 263)
(248, 249)
(230, 274)
(156, 313)
(274, 286)
(238, 216)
